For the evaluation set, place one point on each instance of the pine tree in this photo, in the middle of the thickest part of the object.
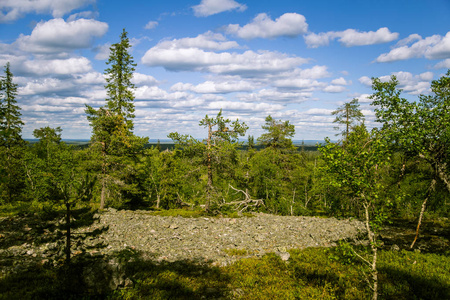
(10, 121)
(278, 134)
(348, 115)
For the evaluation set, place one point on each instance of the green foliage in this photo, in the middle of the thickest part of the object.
(278, 135)
(118, 77)
(349, 115)
(112, 135)
(10, 121)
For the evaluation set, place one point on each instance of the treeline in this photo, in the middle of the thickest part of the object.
(400, 169)
(220, 173)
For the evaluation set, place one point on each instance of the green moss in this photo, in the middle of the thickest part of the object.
(236, 252)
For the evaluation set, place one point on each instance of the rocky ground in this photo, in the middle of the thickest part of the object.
(211, 239)
(217, 239)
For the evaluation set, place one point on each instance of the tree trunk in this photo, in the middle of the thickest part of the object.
(68, 242)
(158, 200)
(102, 197)
(430, 189)
(208, 158)
(374, 249)
(103, 194)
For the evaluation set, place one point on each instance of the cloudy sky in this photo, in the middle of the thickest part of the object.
(296, 60)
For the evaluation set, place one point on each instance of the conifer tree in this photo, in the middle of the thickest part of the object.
(10, 121)
(278, 134)
(349, 115)
(11, 170)
(118, 76)
(112, 124)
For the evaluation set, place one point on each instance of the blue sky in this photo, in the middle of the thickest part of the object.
(295, 60)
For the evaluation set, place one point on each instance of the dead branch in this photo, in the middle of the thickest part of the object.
(248, 202)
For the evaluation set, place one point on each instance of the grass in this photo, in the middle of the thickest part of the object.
(309, 274)
(195, 213)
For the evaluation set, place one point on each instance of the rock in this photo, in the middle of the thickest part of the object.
(284, 256)
(395, 248)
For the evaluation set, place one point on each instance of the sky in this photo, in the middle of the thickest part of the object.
(295, 60)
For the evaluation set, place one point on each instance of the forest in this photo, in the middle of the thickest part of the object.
(397, 171)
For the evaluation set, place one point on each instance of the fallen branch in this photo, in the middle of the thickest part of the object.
(243, 205)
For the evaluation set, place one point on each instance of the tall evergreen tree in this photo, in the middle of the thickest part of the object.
(112, 124)
(11, 170)
(10, 121)
(118, 76)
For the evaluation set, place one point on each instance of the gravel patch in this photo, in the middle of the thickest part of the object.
(213, 239)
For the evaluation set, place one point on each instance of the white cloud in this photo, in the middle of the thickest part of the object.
(351, 37)
(432, 47)
(445, 64)
(83, 15)
(91, 78)
(366, 81)
(441, 49)
(44, 86)
(341, 81)
(245, 106)
(299, 83)
(57, 35)
(262, 26)
(103, 51)
(143, 79)
(412, 84)
(275, 96)
(364, 98)
(151, 25)
(211, 7)
(335, 89)
(210, 87)
(195, 59)
(205, 41)
(69, 66)
(11, 10)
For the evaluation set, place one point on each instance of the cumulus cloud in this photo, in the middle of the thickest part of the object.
(205, 41)
(273, 95)
(262, 26)
(445, 64)
(143, 79)
(244, 106)
(414, 46)
(299, 83)
(366, 81)
(341, 81)
(351, 37)
(334, 89)
(57, 35)
(186, 54)
(83, 15)
(211, 7)
(211, 87)
(412, 84)
(11, 10)
(68, 66)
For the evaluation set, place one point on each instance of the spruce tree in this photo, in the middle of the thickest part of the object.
(118, 76)
(112, 124)
(11, 170)
(10, 121)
